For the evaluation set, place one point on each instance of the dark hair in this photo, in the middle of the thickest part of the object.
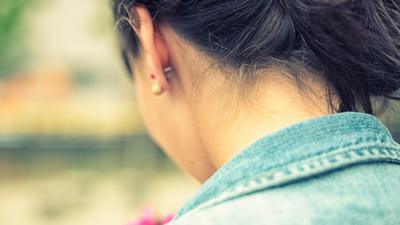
(353, 44)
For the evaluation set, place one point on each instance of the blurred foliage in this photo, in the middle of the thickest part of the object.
(12, 31)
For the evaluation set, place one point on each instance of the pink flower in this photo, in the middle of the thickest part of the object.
(166, 219)
(149, 218)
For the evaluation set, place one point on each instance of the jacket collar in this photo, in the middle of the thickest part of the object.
(291, 144)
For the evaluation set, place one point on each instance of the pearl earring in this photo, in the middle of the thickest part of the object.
(156, 89)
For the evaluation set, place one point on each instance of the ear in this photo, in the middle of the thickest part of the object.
(153, 46)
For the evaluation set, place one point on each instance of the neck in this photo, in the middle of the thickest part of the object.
(235, 126)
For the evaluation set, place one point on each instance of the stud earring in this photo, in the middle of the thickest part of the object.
(156, 89)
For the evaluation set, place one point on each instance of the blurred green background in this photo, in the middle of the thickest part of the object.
(73, 149)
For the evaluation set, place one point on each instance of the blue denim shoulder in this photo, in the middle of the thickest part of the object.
(342, 168)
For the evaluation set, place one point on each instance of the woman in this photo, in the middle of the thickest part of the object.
(268, 103)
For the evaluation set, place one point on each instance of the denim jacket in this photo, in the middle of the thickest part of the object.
(342, 168)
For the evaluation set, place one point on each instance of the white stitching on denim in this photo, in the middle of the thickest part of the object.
(308, 168)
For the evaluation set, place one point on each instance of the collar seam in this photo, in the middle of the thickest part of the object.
(294, 172)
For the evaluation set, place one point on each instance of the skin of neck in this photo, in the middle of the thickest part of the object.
(228, 124)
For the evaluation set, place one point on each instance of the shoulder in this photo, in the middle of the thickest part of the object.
(361, 194)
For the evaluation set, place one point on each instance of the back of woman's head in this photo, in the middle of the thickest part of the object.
(353, 44)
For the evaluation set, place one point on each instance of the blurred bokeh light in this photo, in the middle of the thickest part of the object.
(73, 149)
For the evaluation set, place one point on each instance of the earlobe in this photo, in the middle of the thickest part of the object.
(155, 88)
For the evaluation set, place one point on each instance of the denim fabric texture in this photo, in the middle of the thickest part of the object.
(342, 168)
